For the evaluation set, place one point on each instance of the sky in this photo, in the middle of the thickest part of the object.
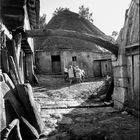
(108, 15)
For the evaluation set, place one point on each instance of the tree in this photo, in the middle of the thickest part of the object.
(84, 12)
(42, 21)
(114, 33)
(59, 10)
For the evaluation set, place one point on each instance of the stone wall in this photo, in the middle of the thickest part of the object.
(126, 64)
(84, 60)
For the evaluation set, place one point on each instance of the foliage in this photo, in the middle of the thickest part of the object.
(84, 12)
(59, 10)
(42, 21)
(114, 33)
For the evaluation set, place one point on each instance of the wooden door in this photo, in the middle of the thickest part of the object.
(56, 64)
(104, 67)
(133, 74)
(97, 68)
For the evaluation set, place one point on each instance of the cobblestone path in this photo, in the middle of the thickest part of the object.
(72, 112)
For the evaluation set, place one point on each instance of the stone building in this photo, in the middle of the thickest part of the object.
(126, 66)
(55, 53)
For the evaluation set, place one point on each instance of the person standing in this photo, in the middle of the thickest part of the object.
(71, 74)
(66, 74)
(82, 75)
(78, 74)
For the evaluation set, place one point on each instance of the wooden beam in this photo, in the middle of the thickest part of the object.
(105, 43)
(6, 32)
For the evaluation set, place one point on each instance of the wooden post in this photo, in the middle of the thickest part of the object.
(9, 128)
(101, 41)
(15, 109)
(3, 53)
(25, 95)
(17, 37)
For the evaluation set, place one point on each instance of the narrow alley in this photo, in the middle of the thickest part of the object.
(74, 112)
(69, 70)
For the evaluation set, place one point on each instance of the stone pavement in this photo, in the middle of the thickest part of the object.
(71, 112)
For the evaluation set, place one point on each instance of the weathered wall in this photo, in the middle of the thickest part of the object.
(2, 108)
(21, 66)
(126, 65)
(29, 67)
(133, 68)
(83, 59)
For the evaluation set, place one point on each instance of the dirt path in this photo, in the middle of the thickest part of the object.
(71, 112)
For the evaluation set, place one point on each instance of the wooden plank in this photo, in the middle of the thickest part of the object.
(32, 131)
(132, 45)
(103, 42)
(16, 51)
(6, 31)
(2, 107)
(8, 81)
(4, 60)
(136, 82)
(25, 95)
(104, 67)
(17, 110)
(97, 68)
(129, 71)
(14, 69)
(9, 128)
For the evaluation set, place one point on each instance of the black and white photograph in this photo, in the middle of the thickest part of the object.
(69, 70)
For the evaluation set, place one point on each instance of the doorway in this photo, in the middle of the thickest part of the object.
(56, 64)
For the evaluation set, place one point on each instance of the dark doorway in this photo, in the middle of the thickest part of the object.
(56, 64)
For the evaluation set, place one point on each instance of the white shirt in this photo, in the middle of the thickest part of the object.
(70, 72)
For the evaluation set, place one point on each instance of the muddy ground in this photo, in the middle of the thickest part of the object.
(74, 112)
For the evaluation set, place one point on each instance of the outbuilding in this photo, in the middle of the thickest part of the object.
(53, 53)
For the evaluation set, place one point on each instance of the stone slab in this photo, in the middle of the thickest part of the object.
(121, 82)
(120, 71)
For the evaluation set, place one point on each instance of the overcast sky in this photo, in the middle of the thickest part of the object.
(108, 15)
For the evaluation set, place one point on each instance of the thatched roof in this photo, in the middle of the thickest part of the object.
(68, 20)
(64, 43)
(71, 21)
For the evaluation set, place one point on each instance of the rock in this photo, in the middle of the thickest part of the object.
(51, 122)
(79, 119)
(88, 131)
(60, 136)
(124, 113)
(82, 129)
(65, 120)
(45, 133)
(102, 97)
(57, 116)
(38, 106)
(111, 120)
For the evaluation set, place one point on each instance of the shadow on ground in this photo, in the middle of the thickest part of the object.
(72, 112)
